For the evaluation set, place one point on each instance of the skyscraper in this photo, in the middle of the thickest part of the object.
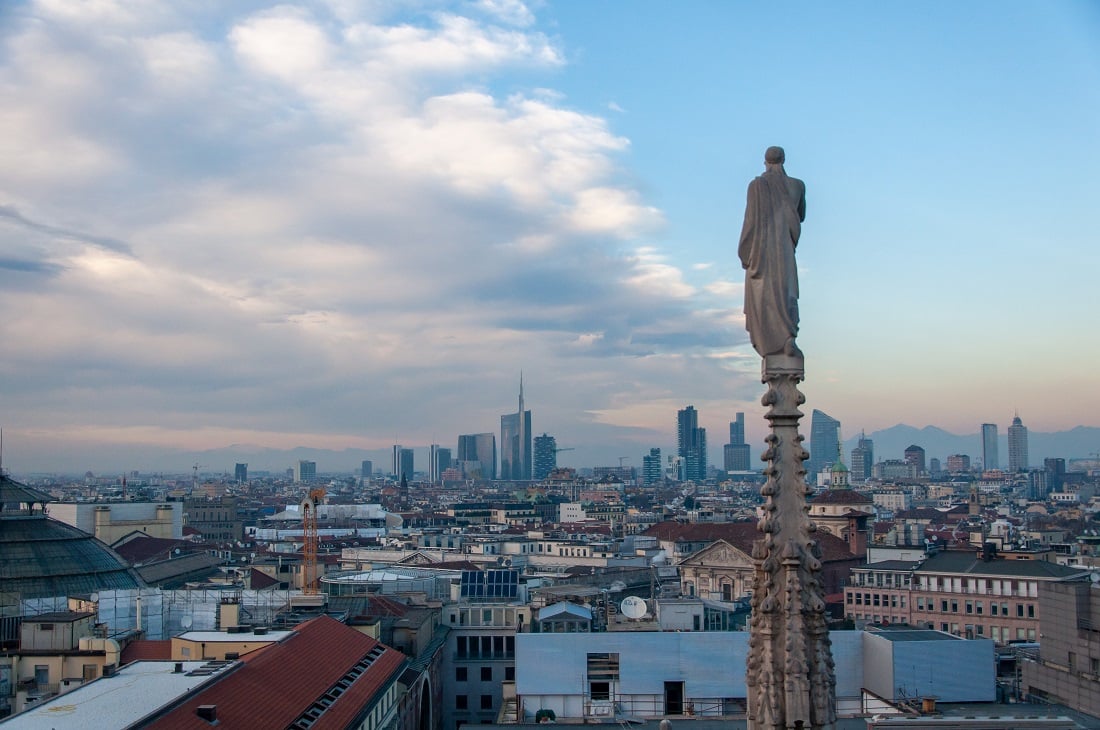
(863, 458)
(736, 452)
(404, 464)
(990, 459)
(479, 448)
(366, 469)
(240, 473)
(691, 445)
(439, 460)
(395, 461)
(515, 442)
(1017, 445)
(824, 444)
(546, 456)
(651, 467)
(737, 429)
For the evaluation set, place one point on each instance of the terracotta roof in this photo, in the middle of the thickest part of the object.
(147, 650)
(143, 549)
(258, 580)
(278, 683)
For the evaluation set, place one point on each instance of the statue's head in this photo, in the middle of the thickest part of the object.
(774, 156)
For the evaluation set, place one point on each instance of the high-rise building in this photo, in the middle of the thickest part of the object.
(366, 469)
(651, 467)
(439, 460)
(546, 456)
(479, 449)
(824, 444)
(691, 445)
(240, 473)
(305, 471)
(395, 461)
(737, 429)
(863, 458)
(1056, 473)
(1017, 445)
(735, 454)
(515, 442)
(990, 459)
(915, 455)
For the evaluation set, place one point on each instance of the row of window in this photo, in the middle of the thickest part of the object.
(462, 702)
(1000, 634)
(1023, 610)
(485, 647)
(462, 674)
(875, 599)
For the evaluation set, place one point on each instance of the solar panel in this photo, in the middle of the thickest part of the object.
(489, 584)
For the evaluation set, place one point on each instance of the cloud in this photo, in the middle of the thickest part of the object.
(321, 219)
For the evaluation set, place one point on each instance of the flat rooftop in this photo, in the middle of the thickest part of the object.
(121, 699)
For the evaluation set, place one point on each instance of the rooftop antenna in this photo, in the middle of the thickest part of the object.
(1, 452)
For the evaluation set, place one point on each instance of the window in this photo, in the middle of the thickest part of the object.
(848, 599)
(920, 603)
(970, 607)
(45, 627)
(460, 646)
(510, 674)
(978, 608)
(461, 702)
(486, 674)
(600, 690)
(943, 606)
(1019, 610)
(993, 609)
(486, 702)
(954, 607)
(1031, 610)
(460, 674)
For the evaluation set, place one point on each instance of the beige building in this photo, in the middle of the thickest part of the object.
(58, 652)
(1067, 667)
(968, 593)
(112, 521)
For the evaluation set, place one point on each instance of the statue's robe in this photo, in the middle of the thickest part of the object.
(773, 221)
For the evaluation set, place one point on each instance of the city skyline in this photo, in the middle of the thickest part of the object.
(321, 226)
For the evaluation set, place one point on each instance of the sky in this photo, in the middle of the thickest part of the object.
(348, 224)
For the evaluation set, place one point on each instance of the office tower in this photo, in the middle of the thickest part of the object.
(1017, 445)
(736, 457)
(546, 456)
(395, 461)
(934, 466)
(366, 469)
(480, 449)
(914, 456)
(439, 460)
(405, 464)
(824, 444)
(515, 442)
(736, 453)
(863, 458)
(305, 471)
(651, 467)
(989, 447)
(240, 473)
(737, 429)
(1056, 473)
(691, 445)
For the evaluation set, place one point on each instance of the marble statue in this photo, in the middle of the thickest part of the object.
(773, 220)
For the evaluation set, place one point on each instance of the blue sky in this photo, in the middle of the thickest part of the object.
(343, 224)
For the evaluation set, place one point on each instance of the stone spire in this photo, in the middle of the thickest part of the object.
(790, 675)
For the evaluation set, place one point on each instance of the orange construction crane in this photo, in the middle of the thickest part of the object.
(309, 546)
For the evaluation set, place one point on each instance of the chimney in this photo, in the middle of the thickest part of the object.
(178, 669)
(207, 712)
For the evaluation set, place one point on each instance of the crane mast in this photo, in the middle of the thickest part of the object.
(309, 546)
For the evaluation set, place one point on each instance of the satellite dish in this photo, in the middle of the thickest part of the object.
(633, 607)
(617, 587)
(186, 622)
(1094, 577)
(94, 598)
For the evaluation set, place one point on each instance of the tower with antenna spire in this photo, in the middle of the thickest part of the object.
(515, 442)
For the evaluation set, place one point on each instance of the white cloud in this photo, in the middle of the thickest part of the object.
(316, 220)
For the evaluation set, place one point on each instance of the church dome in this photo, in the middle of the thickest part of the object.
(42, 557)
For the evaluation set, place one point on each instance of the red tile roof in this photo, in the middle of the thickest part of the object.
(276, 684)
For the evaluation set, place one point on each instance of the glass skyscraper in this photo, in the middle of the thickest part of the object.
(990, 459)
(824, 444)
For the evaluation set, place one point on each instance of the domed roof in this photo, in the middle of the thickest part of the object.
(42, 557)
